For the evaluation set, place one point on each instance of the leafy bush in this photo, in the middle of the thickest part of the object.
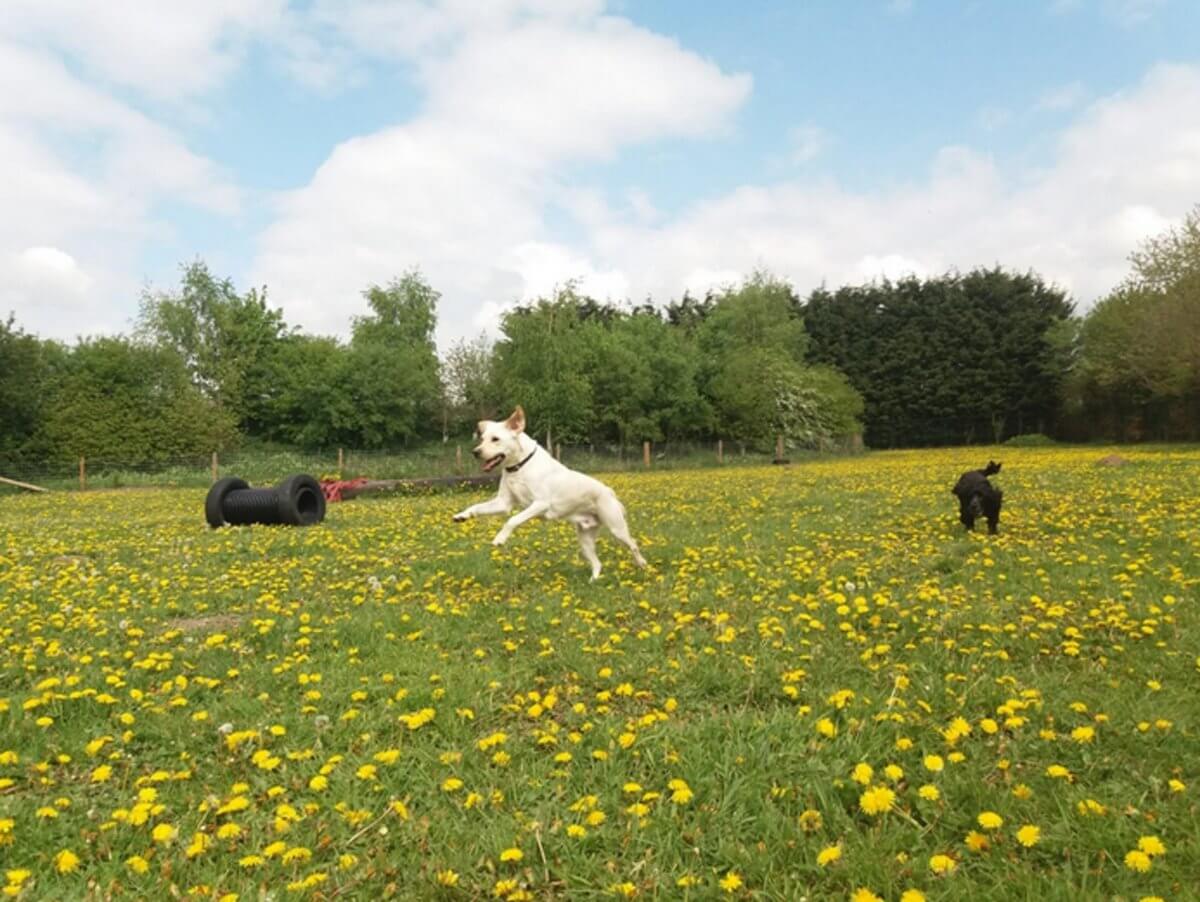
(1031, 440)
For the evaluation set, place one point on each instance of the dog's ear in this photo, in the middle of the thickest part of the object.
(992, 467)
(516, 420)
(480, 427)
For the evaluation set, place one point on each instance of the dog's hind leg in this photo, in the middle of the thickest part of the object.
(587, 544)
(612, 515)
(992, 510)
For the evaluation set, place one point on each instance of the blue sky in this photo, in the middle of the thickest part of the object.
(639, 148)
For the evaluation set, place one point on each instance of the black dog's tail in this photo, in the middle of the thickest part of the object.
(991, 468)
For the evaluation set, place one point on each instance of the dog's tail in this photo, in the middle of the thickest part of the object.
(991, 468)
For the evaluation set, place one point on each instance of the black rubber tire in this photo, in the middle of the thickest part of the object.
(301, 501)
(214, 504)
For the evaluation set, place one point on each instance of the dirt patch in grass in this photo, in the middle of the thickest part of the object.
(211, 624)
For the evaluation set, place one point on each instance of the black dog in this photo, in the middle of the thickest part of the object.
(979, 498)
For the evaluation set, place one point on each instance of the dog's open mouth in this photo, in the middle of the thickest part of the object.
(492, 462)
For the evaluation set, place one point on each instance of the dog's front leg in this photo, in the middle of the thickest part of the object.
(498, 505)
(534, 510)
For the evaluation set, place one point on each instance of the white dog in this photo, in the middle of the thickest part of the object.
(534, 481)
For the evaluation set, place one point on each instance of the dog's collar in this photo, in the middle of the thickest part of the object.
(522, 463)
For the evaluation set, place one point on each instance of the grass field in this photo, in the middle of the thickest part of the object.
(821, 689)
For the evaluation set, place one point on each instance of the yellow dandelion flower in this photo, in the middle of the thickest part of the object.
(1083, 734)
(942, 864)
(977, 842)
(1152, 846)
(829, 855)
(1137, 860)
(990, 820)
(877, 800)
(731, 882)
(1029, 835)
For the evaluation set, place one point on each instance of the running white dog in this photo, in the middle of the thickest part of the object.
(543, 487)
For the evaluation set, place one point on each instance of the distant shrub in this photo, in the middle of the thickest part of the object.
(1031, 440)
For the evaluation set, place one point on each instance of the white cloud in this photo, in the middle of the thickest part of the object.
(463, 189)
(61, 288)
(1132, 12)
(164, 50)
(1075, 221)
(464, 192)
(487, 188)
(1063, 97)
(806, 143)
(992, 118)
(89, 171)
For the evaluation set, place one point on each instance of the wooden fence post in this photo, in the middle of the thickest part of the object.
(458, 458)
(646, 454)
(214, 466)
(720, 451)
(779, 447)
(82, 474)
(558, 451)
(341, 461)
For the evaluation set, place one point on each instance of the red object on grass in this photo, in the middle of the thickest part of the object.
(333, 489)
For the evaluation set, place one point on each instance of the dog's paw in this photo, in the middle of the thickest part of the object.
(462, 517)
(499, 540)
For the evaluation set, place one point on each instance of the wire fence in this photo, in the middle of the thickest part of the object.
(261, 466)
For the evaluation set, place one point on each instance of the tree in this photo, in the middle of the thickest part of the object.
(133, 402)
(643, 377)
(311, 406)
(392, 375)
(1138, 369)
(752, 344)
(27, 366)
(538, 364)
(763, 312)
(226, 340)
(949, 359)
(468, 384)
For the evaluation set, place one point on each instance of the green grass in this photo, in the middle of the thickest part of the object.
(718, 663)
(267, 465)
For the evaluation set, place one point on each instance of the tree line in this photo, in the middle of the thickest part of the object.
(947, 359)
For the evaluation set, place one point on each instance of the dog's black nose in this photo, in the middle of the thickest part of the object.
(476, 452)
